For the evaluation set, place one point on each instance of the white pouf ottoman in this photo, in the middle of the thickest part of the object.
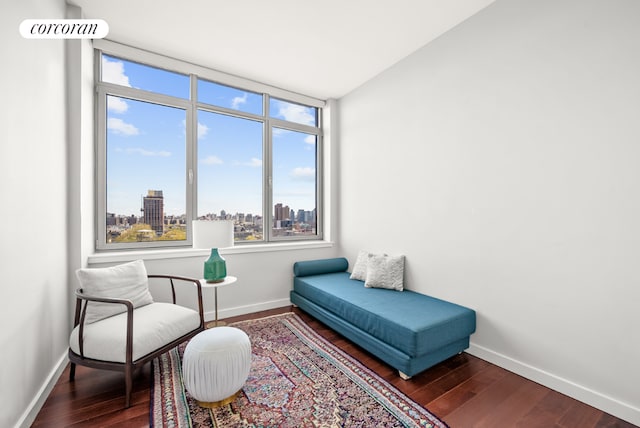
(216, 365)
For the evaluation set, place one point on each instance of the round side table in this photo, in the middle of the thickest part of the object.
(227, 281)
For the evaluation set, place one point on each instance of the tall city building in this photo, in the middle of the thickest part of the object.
(153, 208)
(277, 212)
(111, 219)
(281, 212)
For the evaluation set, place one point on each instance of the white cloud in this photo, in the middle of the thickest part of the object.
(211, 160)
(310, 139)
(113, 72)
(117, 105)
(202, 130)
(254, 162)
(303, 174)
(279, 131)
(143, 152)
(296, 113)
(236, 102)
(120, 127)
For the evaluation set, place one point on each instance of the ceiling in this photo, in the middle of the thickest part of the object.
(324, 48)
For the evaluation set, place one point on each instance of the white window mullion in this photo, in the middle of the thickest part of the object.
(101, 168)
(267, 218)
(192, 157)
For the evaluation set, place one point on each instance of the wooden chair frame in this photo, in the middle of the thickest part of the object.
(129, 366)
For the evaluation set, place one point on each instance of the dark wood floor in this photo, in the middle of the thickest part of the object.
(464, 391)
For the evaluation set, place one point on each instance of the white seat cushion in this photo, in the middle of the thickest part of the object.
(154, 326)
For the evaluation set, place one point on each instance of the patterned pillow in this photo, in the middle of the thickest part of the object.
(360, 267)
(385, 271)
(125, 281)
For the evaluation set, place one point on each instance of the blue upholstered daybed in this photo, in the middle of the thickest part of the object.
(409, 331)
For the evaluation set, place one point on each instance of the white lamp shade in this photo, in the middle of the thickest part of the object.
(212, 233)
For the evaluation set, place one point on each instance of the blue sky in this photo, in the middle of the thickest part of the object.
(146, 147)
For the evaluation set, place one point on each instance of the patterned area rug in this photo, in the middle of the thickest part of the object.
(297, 379)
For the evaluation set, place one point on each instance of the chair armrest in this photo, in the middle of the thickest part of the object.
(81, 295)
(81, 311)
(184, 280)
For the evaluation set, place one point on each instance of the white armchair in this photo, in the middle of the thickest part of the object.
(119, 327)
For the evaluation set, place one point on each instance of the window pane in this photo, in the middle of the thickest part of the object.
(230, 172)
(146, 160)
(292, 112)
(228, 97)
(139, 76)
(294, 183)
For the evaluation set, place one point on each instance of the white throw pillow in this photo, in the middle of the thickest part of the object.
(385, 272)
(360, 267)
(125, 281)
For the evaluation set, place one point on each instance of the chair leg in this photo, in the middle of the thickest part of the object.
(72, 372)
(128, 379)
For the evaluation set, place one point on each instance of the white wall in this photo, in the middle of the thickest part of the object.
(34, 308)
(264, 278)
(502, 160)
(81, 148)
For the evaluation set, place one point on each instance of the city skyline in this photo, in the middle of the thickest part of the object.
(184, 215)
(152, 213)
(153, 224)
(140, 211)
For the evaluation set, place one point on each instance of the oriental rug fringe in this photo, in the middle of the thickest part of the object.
(297, 379)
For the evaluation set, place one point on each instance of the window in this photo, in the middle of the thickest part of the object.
(293, 112)
(177, 142)
(145, 180)
(294, 183)
(144, 77)
(230, 173)
(228, 97)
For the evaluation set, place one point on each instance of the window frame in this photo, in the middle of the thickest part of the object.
(191, 107)
(296, 127)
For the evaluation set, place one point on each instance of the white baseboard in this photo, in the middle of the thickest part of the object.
(593, 398)
(248, 309)
(31, 412)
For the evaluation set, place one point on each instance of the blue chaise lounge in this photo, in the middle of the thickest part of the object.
(409, 331)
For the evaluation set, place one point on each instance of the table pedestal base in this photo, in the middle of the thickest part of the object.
(212, 324)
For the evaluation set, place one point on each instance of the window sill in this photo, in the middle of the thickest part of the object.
(175, 253)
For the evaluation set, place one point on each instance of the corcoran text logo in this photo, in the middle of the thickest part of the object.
(64, 28)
